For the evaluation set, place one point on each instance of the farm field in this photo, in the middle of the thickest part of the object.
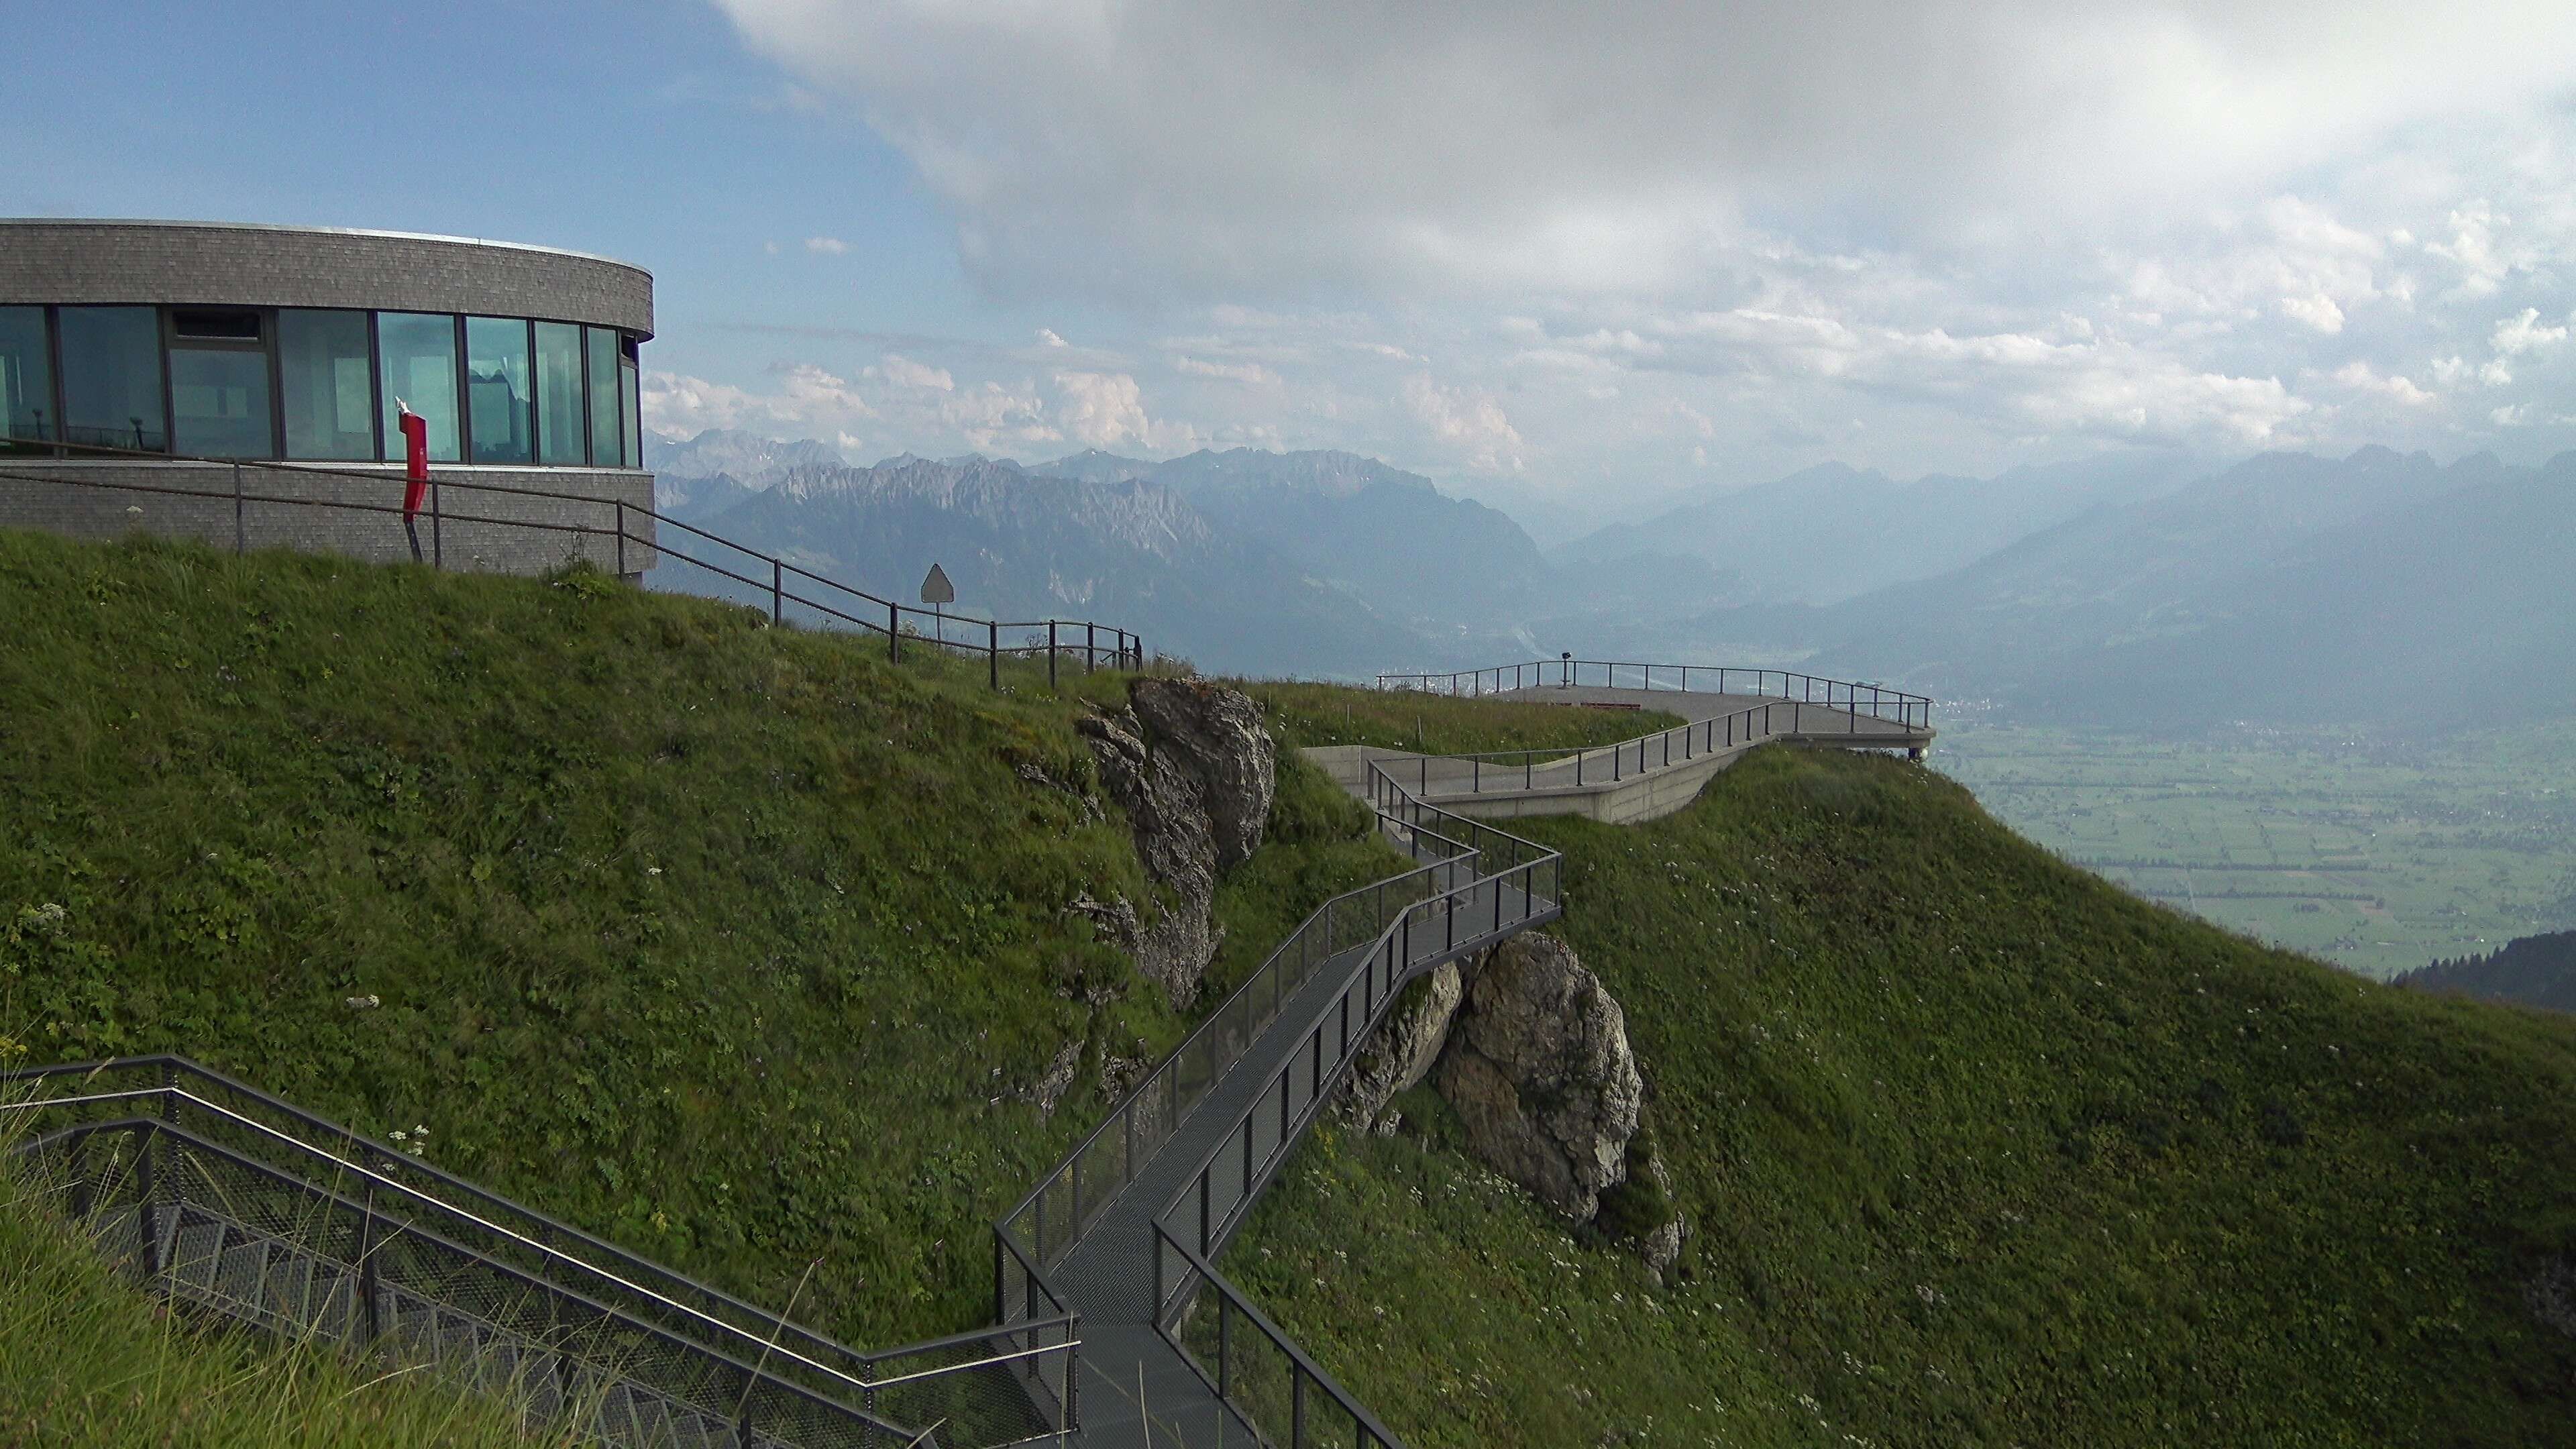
(2377, 854)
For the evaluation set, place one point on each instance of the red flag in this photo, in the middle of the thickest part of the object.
(415, 431)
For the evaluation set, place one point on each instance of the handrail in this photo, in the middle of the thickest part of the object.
(144, 1127)
(573, 1254)
(1159, 1102)
(894, 620)
(1252, 1151)
(1232, 1301)
(1568, 673)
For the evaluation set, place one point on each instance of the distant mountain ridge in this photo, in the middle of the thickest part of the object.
(1024, 545)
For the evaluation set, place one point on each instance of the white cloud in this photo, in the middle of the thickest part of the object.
(1471, 425)
(2524, 333)
(2362, 377)
(1048, 338)
(1107, 409)
(1578, 145)
(1251, 372)
(827, 245)
(2318, 311)
(904, 372)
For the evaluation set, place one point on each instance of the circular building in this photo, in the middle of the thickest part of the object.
(241, 384)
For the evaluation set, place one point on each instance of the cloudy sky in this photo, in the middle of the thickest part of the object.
(1557, 252)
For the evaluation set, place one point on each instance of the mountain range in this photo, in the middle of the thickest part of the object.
(2144, 588)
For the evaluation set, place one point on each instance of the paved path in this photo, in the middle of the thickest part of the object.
(1128, 1369)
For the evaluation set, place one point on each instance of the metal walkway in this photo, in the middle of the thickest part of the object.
(1135, 1265)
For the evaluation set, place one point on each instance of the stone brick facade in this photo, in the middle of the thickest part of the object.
(476, 526)
(110, 262)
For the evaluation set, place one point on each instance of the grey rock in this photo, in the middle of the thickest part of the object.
(1662, 1248)
(1195, 771)
(1051, 1087)
(2551, 1293)
(1405, 1047)
(1541, 1074)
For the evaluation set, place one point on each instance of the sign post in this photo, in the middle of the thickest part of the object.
(936, 591)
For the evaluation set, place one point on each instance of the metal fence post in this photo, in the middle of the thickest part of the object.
(777, 592)
(894, 633)
(993, 650)
(1090, 646)
(1050, 653)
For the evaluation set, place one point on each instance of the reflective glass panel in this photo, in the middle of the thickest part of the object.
(607, 442)
(219, 402)
(26, 378)
(631, 415)
(562, 433)
(112, 378)
(496, 389)
(323, 376)
(416, 361)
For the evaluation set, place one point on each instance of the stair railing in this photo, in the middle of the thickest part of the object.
(204, 1143)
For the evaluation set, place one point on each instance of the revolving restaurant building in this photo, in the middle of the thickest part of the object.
(146, 355)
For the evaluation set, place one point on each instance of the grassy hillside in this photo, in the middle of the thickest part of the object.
(741, 946)
(1978, 1150)
(88, 1361)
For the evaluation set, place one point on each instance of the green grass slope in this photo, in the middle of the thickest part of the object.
(1978, 1150)
(741, 946)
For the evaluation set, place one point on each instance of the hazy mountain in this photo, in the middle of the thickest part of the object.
(1029, 546)
(2532, 970)
(1833, 532)
(2289, 587)
(697, 478)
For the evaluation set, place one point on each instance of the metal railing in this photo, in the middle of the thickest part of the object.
(1895, 706)
(1261, 1371)
(1496, 771)
(793, 594)
(1037, 1233)
(184, 1145)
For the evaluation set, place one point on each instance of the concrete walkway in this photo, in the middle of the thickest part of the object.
(1636, 780)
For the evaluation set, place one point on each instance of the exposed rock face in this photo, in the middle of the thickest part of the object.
(1406, 1047)
(1540, 1071)
(1195, 771)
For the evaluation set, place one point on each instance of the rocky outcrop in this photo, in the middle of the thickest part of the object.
(1540, 1071)
(1195, 771)
(1405, 1048)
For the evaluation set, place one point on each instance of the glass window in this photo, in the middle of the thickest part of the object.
(26, 378)
(416, 364)
(219, 402)
(562, 434)
(631, 414)
(330, 394)
(112, 378)
(496, 389)
(607, 440)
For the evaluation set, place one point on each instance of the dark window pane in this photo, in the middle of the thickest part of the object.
(225, 326)
(219, 402)
(562, 435)
(607, 441)
(496, 387)
(630, 415)
(416, 362)
(26, 378)
(112, 378)
(330, 401)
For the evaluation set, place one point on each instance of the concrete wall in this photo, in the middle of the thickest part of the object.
(270, 266)
(514, 544)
